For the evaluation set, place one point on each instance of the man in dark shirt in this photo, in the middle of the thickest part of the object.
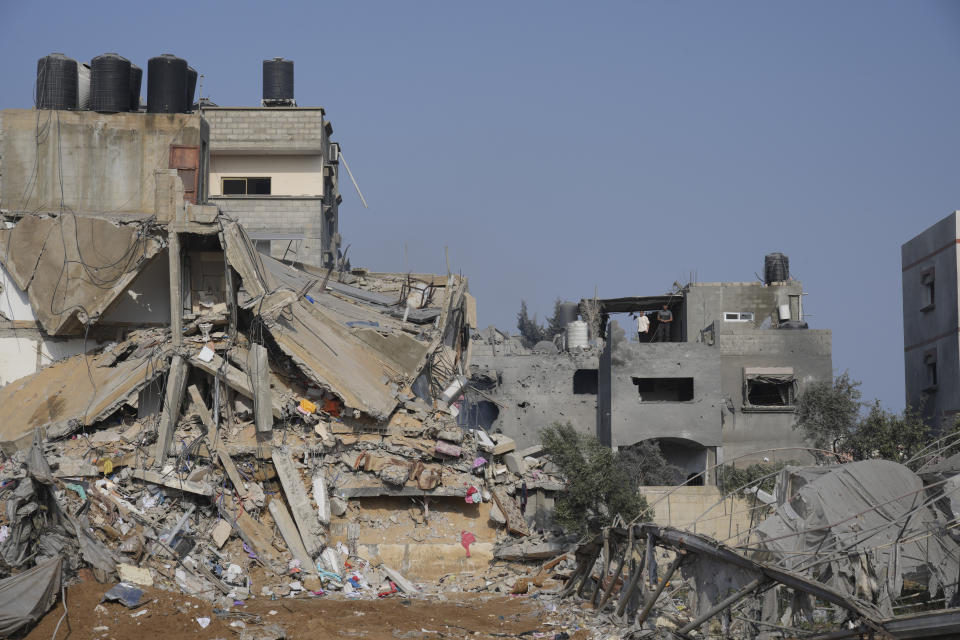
(665, 317)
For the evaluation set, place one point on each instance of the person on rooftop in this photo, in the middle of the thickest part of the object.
(643, 326)
(665, 317)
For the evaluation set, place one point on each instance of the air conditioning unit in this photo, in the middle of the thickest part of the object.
(333, 152)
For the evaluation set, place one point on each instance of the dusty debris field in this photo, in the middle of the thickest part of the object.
(172, 616)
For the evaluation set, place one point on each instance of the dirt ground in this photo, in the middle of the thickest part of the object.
(172, 616)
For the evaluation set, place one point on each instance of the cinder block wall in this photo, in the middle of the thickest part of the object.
(281, 214)
(276, 129)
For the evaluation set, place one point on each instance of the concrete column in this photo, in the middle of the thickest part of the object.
(303, 514)
(259, 372)
(176, 384)
(176, 295)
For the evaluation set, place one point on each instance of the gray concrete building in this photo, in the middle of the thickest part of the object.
(276, 170)
(931, 322)
(717, 384)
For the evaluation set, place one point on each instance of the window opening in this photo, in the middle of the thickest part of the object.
(246, 186)
(763, 392)
(738, 316)
(586, 382)
(930, 364)
(664, 389)
(928, 299)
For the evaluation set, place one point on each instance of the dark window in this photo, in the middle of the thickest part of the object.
(234, 187)
(585, 381)
(664, 389)
(928, 299)
(246, 186)
(258, 186)
(930, 364)
(770, 393)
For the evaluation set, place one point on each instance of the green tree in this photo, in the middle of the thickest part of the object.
(888, 435)
(530, 331)
(829, 412)
(555, 325)
(646, 467)
(597, 489)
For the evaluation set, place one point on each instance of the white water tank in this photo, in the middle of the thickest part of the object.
(83, 86)
(784, 312)
(577, 336)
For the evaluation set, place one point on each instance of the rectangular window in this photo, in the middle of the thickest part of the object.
(585, 382)
(770, 393)
(738, 316)
(930, 370)
(928, 295)
(664, 389)
(246, 186)
(769, 388)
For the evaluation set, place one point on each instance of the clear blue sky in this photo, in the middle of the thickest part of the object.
(556, 147)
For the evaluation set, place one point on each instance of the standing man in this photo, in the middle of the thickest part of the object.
(643, 327)
(665, 317)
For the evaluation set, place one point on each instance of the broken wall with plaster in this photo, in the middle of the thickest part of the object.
(803, 356)
(662, 390)
(523, 393)
(108, 160)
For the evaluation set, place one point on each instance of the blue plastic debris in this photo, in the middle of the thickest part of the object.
(124, 593)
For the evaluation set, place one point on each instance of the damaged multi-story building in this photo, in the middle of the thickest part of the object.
(208, 341)
(931, 327)
(717, 384)
(275, 169)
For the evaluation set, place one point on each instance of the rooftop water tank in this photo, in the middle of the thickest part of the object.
(110, 83)
(277, 80)
(83, 86)
(191, 87)
(166, 84)
(57, 79)
(776, 268)
(568, 312)
(136, 80)
(577, 336)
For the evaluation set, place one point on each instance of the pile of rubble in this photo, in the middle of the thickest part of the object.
(213, 457)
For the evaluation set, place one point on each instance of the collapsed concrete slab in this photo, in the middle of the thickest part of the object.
(339, 339)
(80, 391)
(74, 268)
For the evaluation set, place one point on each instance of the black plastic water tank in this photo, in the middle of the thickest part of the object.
(278, 79)
(776, 268)
(110, 83)
(568, 312)
(191, 87)
(136, 80)
(56, 82)
(166, 84)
